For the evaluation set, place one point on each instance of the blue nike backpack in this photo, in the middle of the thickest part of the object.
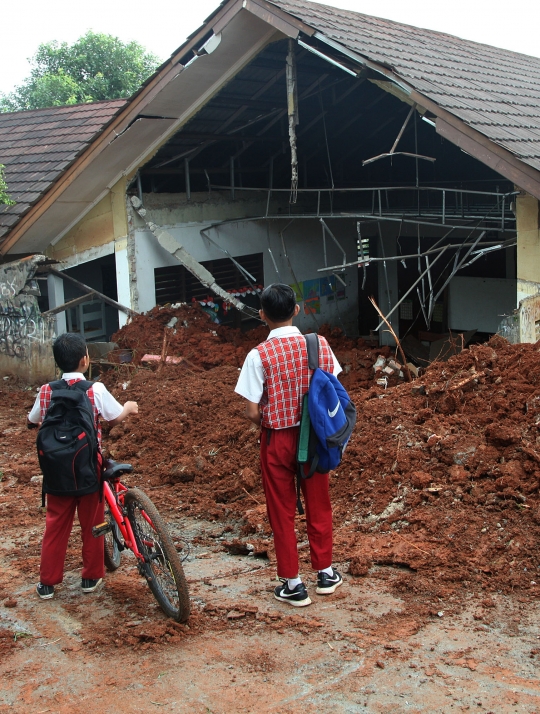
(327, 420)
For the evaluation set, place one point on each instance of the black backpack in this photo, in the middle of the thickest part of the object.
(67, 442)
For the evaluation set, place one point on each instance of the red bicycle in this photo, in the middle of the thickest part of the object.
(133, 522)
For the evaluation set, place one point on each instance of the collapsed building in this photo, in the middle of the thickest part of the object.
(348, 156)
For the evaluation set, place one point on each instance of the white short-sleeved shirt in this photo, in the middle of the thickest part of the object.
(106, 404)
(251, 380)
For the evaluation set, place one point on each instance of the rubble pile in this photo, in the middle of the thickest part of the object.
(189, 333)
(440, 479)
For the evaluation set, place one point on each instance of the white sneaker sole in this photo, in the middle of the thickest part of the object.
(46, 597)
(294, 603)
(330, 590)
(96, 586)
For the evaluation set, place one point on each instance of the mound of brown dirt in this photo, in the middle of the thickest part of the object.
(191, 335)
(441, 481)
(203, 345)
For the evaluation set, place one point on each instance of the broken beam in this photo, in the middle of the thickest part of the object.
(67, 305)
(87, 289)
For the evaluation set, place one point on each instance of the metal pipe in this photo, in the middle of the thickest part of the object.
(410, 290)
(384, 266)
(248, 276)
(382, 188)
(335, 240)
(433, 251)
(396, 142)
(460, 264)
(188, 184)
(401, 219)
(328, 59)
(444, 207)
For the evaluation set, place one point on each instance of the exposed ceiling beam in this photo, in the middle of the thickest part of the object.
(181, 171)
(491, 154)
(454, 129)
(238, 138)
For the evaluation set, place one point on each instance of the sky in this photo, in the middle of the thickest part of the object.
(162, 27)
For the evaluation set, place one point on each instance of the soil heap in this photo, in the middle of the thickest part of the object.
(440, 478)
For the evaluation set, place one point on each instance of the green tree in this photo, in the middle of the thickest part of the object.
(4, 196)
(95, 67)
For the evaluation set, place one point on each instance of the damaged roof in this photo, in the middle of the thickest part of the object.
(37, 146)
(60, 161)
(495, 91)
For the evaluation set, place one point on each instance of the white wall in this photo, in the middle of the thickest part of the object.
(480, 303)
(304, 246)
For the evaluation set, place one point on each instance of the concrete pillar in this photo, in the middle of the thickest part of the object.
(528, 246)
(388, 287)
(55, 289)
(123, 283)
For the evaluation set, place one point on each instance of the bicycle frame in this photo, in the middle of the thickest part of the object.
(114, 495)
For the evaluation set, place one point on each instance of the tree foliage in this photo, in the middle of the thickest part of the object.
(95, 67)
(4, 196)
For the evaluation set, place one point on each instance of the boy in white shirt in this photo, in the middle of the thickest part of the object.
(71, 356)
(274, 378)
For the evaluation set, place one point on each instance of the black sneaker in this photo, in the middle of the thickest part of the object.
(327, 584)
(297, 597)
(88, 586)
(45, 592)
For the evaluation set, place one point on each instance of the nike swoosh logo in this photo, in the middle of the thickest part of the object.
(333, 413)
(282, 593)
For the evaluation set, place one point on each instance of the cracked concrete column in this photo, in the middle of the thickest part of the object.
(123, 281)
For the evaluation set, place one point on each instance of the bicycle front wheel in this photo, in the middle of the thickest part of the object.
(111, 549)
(164, 571)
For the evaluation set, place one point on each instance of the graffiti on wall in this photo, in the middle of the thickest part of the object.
(20, 325)
(21, 322)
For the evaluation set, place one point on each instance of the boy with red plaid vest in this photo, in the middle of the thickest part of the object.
(273, 379)
(71, 356)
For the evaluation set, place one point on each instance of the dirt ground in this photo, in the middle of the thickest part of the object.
(437, 519)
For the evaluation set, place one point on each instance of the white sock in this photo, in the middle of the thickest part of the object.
(329, 571)
(293, 582)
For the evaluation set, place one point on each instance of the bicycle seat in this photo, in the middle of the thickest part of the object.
(112, 469)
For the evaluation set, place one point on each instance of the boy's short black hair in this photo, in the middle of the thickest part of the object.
(278, 302)
(68, 351)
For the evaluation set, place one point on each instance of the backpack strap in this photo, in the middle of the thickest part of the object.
(312, 344)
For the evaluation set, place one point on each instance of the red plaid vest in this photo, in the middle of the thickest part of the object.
(45, 400)
(286, 378)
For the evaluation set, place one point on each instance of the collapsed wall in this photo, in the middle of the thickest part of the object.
(440, 479)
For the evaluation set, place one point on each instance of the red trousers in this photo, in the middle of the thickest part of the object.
(278, 466)
(58, 525)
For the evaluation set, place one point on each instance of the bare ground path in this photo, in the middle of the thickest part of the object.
(377, 645)
(360, 650)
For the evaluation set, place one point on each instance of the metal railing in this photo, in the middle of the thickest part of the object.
(427, 205)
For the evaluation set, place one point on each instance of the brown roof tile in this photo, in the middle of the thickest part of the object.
(37, 146)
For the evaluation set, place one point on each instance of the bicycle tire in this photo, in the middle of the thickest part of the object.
(167, 580)
(111, 552)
